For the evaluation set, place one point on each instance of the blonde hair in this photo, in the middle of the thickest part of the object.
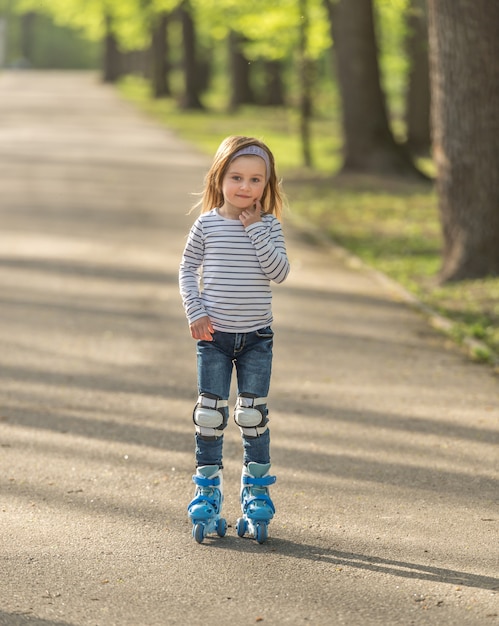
(212, 197)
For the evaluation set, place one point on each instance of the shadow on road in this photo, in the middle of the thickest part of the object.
(14, 619)
(363, 562)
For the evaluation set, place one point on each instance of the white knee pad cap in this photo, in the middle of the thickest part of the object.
(248, 418)
(207, 418)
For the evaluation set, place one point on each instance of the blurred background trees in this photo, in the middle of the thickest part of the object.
(281, 55)
(32, 39)
(277, 54)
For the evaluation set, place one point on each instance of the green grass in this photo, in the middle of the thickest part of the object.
(392, 225)
(276, 126)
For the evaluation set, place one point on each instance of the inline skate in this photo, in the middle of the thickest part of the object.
(256, 505)
(205, 509)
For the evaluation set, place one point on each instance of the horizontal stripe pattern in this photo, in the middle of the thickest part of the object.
(226, 270)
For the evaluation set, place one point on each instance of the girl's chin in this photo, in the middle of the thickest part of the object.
(243, 206)
(244, 201)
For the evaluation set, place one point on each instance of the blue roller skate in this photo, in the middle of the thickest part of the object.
(204, 510)
(256, 505)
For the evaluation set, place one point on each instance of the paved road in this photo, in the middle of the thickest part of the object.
(384, 437)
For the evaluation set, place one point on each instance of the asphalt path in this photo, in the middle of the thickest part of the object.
(384, 436)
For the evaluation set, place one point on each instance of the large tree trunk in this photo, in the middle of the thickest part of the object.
(190, 99)
(241, 92)
(464, 70)
(159, 57)
(418, 90)
(369, 145)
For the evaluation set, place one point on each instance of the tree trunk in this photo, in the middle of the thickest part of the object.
(3, 41)
(241, 92)
(113, 66)
(136, 62)
(369, 145)
(305, 86)
(159, 54)
(418, 91)
(464, 71)
(274, 85)
(190, 99)
(27, 37)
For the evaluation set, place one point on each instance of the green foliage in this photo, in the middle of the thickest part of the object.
(51, 46)
(271, 30)
(84, 15)
(130, 19)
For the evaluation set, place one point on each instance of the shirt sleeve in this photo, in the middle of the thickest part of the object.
(270, 247)
(190, 274)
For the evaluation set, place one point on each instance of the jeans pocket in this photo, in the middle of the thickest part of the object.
(265, 333)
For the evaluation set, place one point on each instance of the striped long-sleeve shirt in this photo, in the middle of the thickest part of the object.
(226, 271)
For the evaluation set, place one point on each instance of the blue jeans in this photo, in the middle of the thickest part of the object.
(251, 354)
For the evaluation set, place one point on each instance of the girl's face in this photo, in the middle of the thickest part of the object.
(244, 182)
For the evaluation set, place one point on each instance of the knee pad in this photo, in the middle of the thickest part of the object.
(250, 415)
(210, 416)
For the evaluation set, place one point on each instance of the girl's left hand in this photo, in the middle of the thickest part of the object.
(253, 215)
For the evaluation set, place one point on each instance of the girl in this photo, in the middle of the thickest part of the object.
(234, 249)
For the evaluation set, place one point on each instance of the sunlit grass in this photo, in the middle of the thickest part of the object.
(395, 229)
(392, 225)
(278, 127)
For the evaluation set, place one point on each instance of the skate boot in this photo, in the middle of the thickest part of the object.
(204, 510)
(256, 505)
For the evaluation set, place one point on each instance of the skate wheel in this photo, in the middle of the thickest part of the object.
(241, 526)
(198, 532)
(261, 532)
(221, 527)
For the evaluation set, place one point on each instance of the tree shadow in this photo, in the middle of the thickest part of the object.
(364, 562)
(22, 619)
(65, 267)
(381, 471)
(83, 501)
(370, 418)
(160, 438)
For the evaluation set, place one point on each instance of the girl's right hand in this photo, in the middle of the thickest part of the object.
(253, 215)
(202, 329)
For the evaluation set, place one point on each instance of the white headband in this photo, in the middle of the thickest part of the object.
(255, 151)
